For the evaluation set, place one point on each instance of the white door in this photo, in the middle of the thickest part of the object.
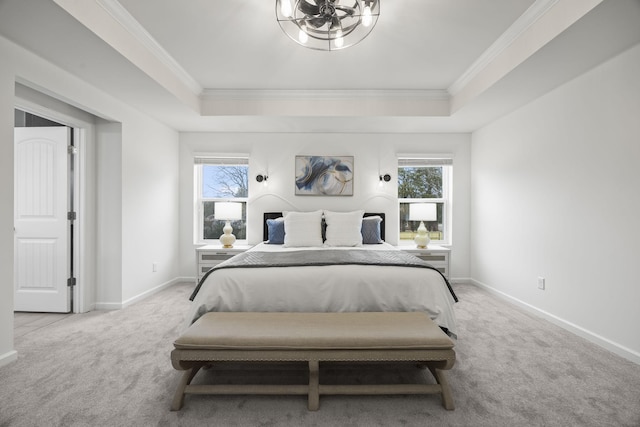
(41, 236)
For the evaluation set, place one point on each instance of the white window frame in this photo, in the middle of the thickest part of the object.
(198, 162)
(446, 162)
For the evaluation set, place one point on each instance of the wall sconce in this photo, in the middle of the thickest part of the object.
(262, 178)
(384, 178)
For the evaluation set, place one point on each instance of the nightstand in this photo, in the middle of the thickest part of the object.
(437, 256)
(210, 255)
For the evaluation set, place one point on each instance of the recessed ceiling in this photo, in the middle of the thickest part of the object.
(423, 44)
(227, 66)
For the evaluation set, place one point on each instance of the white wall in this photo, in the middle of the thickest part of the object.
(150, 213)
(109, 216)
(138, 218)
(142, 179)
(556, 193)
(373, 154)
(7, 354)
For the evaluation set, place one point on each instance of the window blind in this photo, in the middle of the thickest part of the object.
(422, 162)
(228, 161)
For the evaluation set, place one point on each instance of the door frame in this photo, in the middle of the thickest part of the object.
(83, 294)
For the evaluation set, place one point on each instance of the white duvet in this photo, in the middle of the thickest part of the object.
(334, 288)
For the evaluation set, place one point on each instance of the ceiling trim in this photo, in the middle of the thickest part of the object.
(541, 22)
(128, 22)
(556, 18)
(118, 34)
(337, 94)
(431, 102)
(419, 103)
(526, 20)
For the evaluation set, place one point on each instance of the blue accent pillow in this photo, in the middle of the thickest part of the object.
(371, 230)
(275, 231)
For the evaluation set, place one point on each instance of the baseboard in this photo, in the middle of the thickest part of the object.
(108, 306)
(7, 358)
(599, 340)
(140, 297)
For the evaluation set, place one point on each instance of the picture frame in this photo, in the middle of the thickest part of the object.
(324, 175)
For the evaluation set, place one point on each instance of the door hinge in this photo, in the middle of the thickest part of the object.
(72, 149)
(71, 282)
(71, 216)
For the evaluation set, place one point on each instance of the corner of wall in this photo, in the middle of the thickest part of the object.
(7, 358)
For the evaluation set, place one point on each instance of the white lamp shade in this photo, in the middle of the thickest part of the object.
(422, 212)
(228, 210)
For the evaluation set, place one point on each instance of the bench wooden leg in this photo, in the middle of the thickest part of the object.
(178, 398)
(447, 396)
(314, 385)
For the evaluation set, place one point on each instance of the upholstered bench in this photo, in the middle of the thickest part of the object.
(313, 338)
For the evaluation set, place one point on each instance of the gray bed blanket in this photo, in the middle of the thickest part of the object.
(257, 259)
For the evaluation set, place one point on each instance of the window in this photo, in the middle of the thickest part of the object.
(220, 180)
(425, 180)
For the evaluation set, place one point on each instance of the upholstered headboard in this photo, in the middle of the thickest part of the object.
(274, 215)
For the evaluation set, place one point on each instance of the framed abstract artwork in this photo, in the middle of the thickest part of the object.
(324, 176)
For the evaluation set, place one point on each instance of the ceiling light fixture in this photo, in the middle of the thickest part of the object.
(327, 24)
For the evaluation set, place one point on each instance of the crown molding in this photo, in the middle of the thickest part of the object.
(129, 23)
(330, 94)
(379, 103)
(525, 21)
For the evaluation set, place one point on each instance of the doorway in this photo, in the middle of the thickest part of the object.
(43, 215)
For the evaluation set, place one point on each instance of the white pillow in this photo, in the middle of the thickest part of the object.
(303, 229)
(343, 228)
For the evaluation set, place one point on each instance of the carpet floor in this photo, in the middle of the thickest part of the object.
(112, 368)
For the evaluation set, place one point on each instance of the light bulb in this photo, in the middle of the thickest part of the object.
(339, 42)
(366, 16)
(285, 8)
(303, 37)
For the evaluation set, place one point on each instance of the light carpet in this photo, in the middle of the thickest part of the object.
(513, 369)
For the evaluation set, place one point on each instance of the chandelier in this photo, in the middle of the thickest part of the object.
(327, 24)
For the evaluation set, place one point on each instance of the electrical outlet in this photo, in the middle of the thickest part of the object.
(154, 267)
(541, 283)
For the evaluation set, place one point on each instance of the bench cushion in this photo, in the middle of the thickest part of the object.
(314, 331)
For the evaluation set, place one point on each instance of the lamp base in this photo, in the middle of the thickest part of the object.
(227, 239)
(422, 238)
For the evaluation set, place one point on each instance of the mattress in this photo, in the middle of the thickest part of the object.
(326, 288)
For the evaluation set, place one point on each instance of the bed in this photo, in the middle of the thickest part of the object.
(317, 265)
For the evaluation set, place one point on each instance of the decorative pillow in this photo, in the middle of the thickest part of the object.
(343, 228)
(275, 229)
(302, 229)
(371, 230)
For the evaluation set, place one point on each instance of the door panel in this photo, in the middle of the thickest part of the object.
(41, 225)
